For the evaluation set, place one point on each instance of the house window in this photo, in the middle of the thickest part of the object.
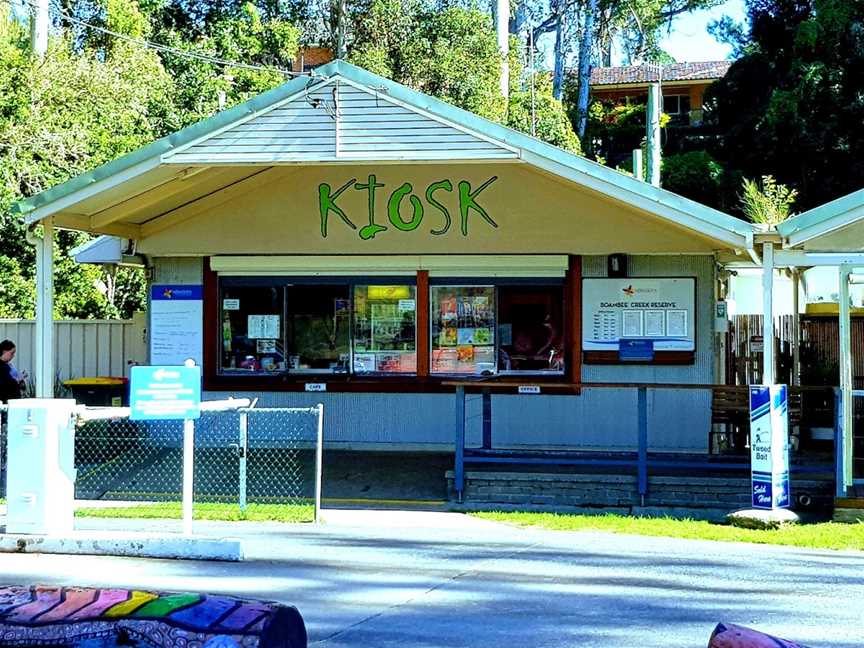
(497, 329)
(276, 325)
(676, 104)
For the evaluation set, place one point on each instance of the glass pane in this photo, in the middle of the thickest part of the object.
(462, 320)
(530, 329)
(385, 330)
(684, 104)
(670, 105)
(318, 327)
(253, 337)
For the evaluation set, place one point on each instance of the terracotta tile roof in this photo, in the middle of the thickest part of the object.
(648, 73)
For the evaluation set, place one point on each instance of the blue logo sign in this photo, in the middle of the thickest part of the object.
(160, 393)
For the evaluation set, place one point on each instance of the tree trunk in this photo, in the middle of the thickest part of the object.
(560, 51)
(585, 67)
(339, 27)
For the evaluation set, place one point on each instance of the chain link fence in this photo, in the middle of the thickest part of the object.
(248, 464)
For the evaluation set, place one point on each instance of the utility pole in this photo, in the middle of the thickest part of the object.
(39, 27)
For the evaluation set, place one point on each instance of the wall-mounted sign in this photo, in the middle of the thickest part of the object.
(659, 311)
(176, 324)
(639, 350)
(529, 389)
(161, 393)
(405, 211)
(316, 387)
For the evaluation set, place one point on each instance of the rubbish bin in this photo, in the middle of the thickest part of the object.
(99, 391)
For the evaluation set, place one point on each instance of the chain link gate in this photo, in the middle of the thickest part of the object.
(248, 464)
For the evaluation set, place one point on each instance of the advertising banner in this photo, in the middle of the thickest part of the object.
(769, 446)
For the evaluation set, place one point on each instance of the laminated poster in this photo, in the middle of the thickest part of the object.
(465, 353)
(265, 346)
(447, 337)
(176, 324)
(483, 335)
(262, 326)
(448, 309)
(465, 336)
(631, 324)
(655, 323)
(444, 360)
(364, 362)
(676, 323)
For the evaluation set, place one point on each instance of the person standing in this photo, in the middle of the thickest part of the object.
(10, 381)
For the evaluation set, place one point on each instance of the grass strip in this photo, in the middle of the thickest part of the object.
(206, 511)
(824, 535)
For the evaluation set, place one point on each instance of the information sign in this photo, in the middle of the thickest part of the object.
(769, 446)
(636, 350)
(176, 324)
(661, 310)
(159, 393)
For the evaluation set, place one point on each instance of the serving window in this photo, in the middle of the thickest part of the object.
(287, 326)
(503, 329)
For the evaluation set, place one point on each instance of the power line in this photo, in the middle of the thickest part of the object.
(158, 46)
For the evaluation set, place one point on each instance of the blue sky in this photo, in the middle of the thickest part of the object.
(689, 39)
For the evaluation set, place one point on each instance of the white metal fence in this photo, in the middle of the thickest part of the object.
(82, 348)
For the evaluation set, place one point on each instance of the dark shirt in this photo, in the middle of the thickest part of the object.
(9, 387)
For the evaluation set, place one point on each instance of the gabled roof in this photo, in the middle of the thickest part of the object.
(651, 73)
(101, 200)
(826, 220)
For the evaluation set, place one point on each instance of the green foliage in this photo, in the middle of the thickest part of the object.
(769, 204)
(551, 123)
(695, 175)
(452, 54)
(616, 129)
(791, 106)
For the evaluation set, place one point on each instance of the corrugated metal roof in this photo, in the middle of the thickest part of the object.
(707, 70)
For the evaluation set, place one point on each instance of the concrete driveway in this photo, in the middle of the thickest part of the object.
(381, 579)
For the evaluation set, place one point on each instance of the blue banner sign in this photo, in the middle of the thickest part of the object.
(635, 350)
(769, 446)
(160, 393)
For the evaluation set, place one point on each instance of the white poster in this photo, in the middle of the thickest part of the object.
(662, 310)
(262, 326)
(176, 324)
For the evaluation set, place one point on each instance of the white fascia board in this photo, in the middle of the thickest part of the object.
(167, 157)
(827, 226)
(91, 190)
(800, 258)
(734, 239)
(384, 96)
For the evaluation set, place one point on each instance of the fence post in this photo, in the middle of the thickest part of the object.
(188, 472)
(244, 448)
(642, 414)
(459, 472)
(319, 461)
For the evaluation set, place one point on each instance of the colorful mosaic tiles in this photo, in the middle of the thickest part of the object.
(77, 617)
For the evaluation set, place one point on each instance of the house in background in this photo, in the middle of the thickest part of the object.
(683, 84)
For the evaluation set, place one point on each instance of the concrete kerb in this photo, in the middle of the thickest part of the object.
(126, 544)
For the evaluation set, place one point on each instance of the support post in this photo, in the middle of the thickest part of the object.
(839, 461)
(243, 452)
(642, 415)
(653, 134)
(848, 421)
(638, 171)
(796, 327)
(45, 311)
(768, 368)
(319, 462)
(188, 473)
(459, 468)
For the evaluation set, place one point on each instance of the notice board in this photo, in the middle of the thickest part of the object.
(662, 310)
(176, 324)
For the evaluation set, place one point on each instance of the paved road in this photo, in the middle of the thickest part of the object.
(438, 579)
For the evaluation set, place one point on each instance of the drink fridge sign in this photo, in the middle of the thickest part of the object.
(769, 446)
(659, 311)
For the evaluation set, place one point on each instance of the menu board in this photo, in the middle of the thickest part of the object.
(660, 310)
(176, 324)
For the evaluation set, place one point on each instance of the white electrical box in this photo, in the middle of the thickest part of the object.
(40, 473)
